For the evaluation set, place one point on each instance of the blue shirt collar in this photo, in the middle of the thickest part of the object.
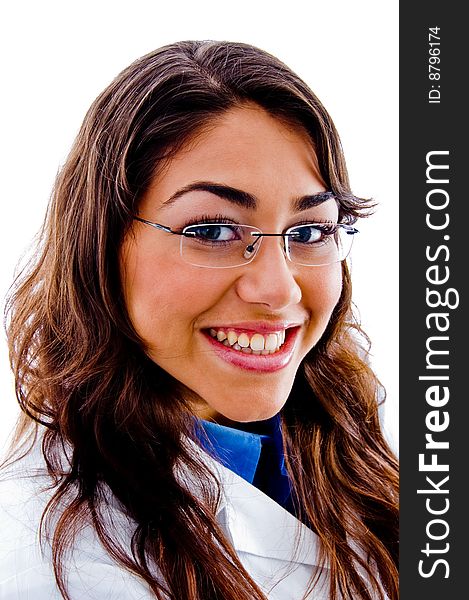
(240, 450)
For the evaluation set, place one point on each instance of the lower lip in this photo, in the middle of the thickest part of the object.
(257, 362)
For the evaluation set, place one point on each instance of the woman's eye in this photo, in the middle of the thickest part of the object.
(213, 232)
(307, 234)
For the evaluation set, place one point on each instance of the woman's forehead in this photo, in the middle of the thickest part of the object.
(245, 149)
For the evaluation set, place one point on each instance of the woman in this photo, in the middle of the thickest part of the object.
(199, 418)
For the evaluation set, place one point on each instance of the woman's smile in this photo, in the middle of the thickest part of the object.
(258, 352)
(235, 337)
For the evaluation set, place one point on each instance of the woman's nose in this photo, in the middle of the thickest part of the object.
(269, 278)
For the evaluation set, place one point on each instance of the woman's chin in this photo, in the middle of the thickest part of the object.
(237, 414)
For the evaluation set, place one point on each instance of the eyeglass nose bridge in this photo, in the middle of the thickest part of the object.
(251, 250)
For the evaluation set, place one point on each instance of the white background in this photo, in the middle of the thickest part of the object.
(56, 56)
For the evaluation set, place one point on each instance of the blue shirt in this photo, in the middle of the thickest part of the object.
(255, 453)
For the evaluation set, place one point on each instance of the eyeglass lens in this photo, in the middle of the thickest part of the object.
(226, 244)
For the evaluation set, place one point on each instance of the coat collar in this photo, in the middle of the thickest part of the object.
(255, 523)
(258, 525)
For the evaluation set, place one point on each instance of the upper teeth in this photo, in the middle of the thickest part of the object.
(256, 343)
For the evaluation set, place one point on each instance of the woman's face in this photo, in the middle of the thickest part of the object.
(185, 314)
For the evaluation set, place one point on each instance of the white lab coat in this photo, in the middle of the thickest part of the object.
(277, 550)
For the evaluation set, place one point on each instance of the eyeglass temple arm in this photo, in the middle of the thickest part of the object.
(159, 226)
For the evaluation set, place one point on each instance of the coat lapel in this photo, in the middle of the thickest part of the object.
(258, 525)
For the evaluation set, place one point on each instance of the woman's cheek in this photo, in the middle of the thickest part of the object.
(322, 292)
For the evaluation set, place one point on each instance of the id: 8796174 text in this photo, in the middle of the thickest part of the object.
(434, 61)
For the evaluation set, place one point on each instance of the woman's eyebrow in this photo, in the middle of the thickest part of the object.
(245, 199)
(305, 202)
(226, 192)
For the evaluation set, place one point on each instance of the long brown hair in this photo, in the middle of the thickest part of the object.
(82, 372)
